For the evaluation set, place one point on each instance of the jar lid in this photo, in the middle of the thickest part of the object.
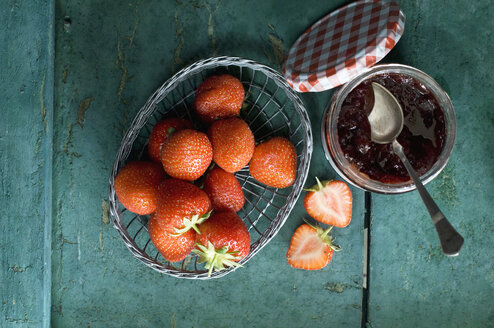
(343, 44)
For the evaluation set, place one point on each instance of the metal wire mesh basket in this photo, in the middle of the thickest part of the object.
(271, 108)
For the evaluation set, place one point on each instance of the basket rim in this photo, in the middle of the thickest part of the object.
(132, 132)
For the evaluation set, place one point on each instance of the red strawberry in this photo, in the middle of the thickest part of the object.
(161, 131)
(224, 240)
(224, 190)
(274, 163)
(186, 154)
(311, 248)
(218, 97)
(136, 186)
(233, 143)
(181, 206)
(329, 202)
(172, 247)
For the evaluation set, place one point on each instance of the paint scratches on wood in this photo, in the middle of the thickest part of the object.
(83, 107)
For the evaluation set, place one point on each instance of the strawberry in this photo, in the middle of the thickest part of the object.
(161, 131)
(224, 190)
(181, 206)
(233, 143)
(218, 97)
(224, 240)
(186, 154)
(173, 248)
(274, 163)
(329, 202)
(136, 186)
(311, 248)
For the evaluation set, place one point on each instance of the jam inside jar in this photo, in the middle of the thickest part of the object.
(422, 137)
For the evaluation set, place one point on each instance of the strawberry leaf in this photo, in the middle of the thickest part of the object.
(216, 259)
(192, 223)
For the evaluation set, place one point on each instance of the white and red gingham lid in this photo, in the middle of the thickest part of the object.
(343, 44)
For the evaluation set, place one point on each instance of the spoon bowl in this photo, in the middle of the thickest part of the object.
(386, 117)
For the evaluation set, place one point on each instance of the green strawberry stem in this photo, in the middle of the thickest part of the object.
(192, 223)
(216, 259)
(324, 235)
(318, 186)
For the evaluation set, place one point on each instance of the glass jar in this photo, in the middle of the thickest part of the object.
(349, 171)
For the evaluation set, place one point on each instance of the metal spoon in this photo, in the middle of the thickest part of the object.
(386, 121)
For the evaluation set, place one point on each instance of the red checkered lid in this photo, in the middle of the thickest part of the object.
(343, 44)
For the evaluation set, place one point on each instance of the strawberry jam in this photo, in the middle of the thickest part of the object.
(422, 137)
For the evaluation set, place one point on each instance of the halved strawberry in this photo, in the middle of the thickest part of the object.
(311, 248)
(224, 240)
(161, 131)
(329, 202)
(173, 248)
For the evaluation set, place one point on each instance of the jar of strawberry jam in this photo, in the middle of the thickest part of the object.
(427, 137)
(342, 50)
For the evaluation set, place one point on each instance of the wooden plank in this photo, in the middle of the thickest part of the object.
(412, 283)
(26, 86)
(112, 56)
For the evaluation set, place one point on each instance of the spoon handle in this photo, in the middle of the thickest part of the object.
(451, 240)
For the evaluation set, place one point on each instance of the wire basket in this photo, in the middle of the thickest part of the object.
(271, 108)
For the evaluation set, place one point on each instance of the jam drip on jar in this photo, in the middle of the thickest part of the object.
(422, 136)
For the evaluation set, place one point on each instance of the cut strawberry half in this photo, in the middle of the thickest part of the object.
(329, 202)
(311, 248)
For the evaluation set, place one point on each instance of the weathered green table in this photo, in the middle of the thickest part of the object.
(73, 75)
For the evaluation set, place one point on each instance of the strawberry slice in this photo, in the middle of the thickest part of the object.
(311, 248)
(329, 202)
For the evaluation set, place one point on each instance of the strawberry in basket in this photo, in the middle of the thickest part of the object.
(219, 96)
(233, 143)
(181, 206)
(224, 190)
(186, 154)
(136, 186)
(224, 240)
(274, 163)
(161, 131)
(172, 247)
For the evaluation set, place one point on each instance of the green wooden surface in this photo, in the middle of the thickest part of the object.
(113, 65)
(81, 95)
(26, 90)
